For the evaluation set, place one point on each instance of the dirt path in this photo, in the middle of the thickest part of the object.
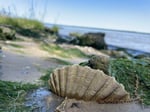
(26, 63)
(15, 67)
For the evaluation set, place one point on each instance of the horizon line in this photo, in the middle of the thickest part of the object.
(108, 29)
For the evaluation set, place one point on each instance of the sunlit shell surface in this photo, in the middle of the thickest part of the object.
(84, 83)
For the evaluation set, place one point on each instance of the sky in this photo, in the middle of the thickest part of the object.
(130, 15)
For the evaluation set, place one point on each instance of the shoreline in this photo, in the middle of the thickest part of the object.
(138, 42)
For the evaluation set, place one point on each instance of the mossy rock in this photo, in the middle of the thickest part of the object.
(49, 30)
(7, 35)
(55, 29)
(95, 40)
(99, 62)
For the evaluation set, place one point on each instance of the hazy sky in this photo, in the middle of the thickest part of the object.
(131, 15)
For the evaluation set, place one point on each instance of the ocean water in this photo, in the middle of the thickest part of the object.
(134, 42)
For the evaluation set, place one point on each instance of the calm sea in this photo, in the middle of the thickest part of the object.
(135, 42)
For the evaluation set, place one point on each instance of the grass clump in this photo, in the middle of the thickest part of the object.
(47, 72)
(21, 23)
(12, 96)
(65, 53)
(128, 72)
(47, 75)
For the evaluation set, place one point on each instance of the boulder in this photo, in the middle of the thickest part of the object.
(49, 30)
(99, 62)
(95, 40)
(64, 39)
(7, 34)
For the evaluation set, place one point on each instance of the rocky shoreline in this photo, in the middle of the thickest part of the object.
(133, 41)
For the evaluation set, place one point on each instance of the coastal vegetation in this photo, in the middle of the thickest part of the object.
(134, 74)
(46, 76)
(23, 23)
(65, 53)
(26, 27)
(13, 95)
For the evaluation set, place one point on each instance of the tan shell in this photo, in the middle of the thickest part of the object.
(87, 84)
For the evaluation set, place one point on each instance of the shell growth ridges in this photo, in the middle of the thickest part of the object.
(84, 83)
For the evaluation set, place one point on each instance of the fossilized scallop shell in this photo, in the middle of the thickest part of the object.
(87, 84)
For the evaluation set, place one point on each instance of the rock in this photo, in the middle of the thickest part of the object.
(48, 30)
(95, 40)
(7, 34)
(99, 62)
(64, 39)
